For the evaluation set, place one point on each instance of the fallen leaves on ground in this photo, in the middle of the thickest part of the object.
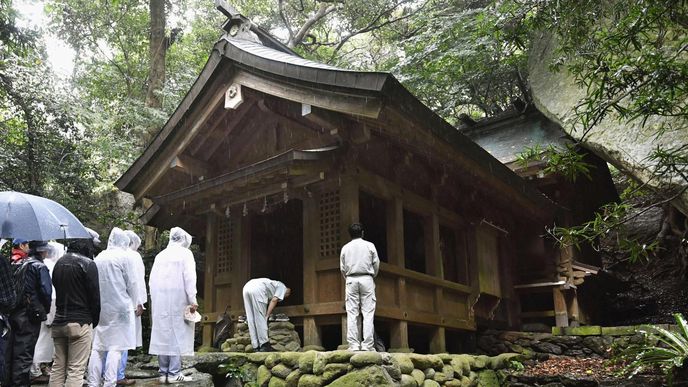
(572, 367)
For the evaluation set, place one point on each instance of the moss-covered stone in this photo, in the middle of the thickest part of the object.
(333, 371)
(441, 377)
(591, 330)
(290, 359)
(225, 347)
(250, 370)
(426, 361)
(480, 362)
(369, 376)
(318, 348)
(263, 376)
(306, 362)
(429, 373)
(281, 371)
(277, 382)
(448, 370)
(339, 356)
(308, 380)
(272, 360)
(285, 325)
(452, 383)
(419, 376)
(446, 358)
(258, 357)
(501, 361)
(292, 379)
(619, 331)
(393, 371)
(408, 381)
(466, 381)
(364, 359)
(319, 363)
(405, 364)
(461, 364)
(488, 378)
(430, 383)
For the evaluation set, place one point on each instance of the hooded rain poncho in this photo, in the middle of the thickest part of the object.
(116, 275)
(140, 272)
(173, 288)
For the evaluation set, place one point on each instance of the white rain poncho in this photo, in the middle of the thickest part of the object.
(44, 349)
(173, 288)
(116, 275)
(140, 271)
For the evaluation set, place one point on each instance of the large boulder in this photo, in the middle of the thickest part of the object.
(556, 94)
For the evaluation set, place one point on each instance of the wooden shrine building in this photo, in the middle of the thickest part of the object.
(270, 157)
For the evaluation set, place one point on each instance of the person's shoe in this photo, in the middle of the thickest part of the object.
(40, 379)
(163, 379)
(266, 348)
(179, 379)
(125, 382)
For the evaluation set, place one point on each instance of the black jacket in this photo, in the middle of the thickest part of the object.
(37, 283)
(75, 278)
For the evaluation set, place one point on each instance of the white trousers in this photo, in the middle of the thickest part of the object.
(95, 368)
(360, 299)
(256, 318)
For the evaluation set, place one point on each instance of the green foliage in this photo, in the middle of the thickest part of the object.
(662, 348)
(234, 371)
(515, 365)
(610, 220)
(461, 58)
(569, 162)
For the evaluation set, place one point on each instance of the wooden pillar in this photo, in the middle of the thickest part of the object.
(473, 270)
(433, 262)
(560, 311)
(344, 330)
(209, 274)
(572, 305)
(395, 232)
(395, 248)
(348, 201)
(438, 341)
(241, 265)
(311, 332)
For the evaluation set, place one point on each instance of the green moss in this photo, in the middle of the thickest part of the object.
(408, 381)
(281, 371)
(419, 376)
(272, 360)
(258, 357)
(501, 361)
(339, 356)
(488, 378)
(306, 362)
(426, 361)
(363, 359)
(405, 364)
(290, 359)
(369, 376)
(263, 376)
(293, 379)
(619, 331)
(592, 330)
(319, 363)
(333, 371)
(276, 382)
(430, 383)
(308, 380)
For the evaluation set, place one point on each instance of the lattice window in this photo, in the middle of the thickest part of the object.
(225, 234)
(329, 224)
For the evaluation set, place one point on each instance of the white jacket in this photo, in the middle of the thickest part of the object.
(173, 288)
(116, 276)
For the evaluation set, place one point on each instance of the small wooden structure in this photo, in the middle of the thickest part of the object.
(270, 157)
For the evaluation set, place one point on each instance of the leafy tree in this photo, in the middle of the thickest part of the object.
(41, 146)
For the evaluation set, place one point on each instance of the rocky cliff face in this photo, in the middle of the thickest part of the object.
(626, 145)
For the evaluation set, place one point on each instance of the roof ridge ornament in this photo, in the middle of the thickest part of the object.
(239, 26)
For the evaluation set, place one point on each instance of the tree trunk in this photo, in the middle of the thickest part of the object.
(157, 53)
(156, 80)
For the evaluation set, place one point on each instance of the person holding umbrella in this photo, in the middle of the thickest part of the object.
(8, 297)
(33, 303)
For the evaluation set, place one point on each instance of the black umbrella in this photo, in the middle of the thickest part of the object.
(35, 218)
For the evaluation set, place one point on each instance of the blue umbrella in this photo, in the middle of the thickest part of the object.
(36, 218)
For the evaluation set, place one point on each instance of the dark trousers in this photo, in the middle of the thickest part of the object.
(20, 348)
(4, 323)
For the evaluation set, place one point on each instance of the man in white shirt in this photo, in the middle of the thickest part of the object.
(359, 264)
(261, 295)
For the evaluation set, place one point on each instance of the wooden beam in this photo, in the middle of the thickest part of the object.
(368, 106)
(395, 231)
(231, 120)
(190, 166)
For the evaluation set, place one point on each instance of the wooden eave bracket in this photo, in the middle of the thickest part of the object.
(190, 166)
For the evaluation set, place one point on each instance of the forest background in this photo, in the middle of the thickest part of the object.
(70, 137)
